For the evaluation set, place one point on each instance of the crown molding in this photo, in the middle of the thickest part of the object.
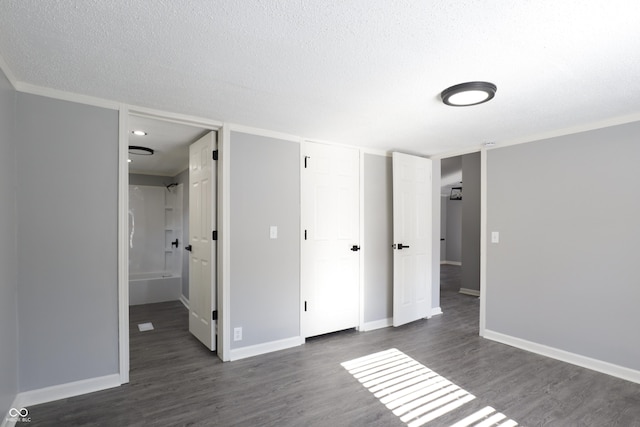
(66, 96)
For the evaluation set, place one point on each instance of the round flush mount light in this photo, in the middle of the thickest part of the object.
(467, 94)
(139, 132)
(140, 151)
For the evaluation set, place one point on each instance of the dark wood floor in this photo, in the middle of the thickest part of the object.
(176, 382)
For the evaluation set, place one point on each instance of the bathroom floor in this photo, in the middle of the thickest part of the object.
(166, 345)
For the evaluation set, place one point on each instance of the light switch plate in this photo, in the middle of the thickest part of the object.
(273, 232)
(495, 237)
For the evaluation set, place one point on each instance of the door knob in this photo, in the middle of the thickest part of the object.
(175, 243)
(188, 248)
(401, 246)
(355, 248)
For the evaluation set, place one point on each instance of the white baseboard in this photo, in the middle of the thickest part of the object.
(435, 311)
(472, 292)
(451, 263)
(268, 347)
(62, 391)
(565, 356)
(184, 301)
(377, 324)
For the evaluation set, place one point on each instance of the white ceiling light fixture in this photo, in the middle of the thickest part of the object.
(139, 132)
(467, 94)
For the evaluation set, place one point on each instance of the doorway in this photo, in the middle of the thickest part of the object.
(154, 168)
(460, 224)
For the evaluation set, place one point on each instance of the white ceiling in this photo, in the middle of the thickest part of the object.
(360, 72)
(170, 142)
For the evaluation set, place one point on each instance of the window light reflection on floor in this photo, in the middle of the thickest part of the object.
(415, 393)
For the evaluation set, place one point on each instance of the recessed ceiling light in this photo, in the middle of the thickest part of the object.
(470, 93)
(128, 160)
(138, 132)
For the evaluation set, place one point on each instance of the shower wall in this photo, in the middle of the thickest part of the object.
(155, 243)
(155, 230)
(163, 181)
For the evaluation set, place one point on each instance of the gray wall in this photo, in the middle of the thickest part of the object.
(8, 249)
(454, 230)
(265, 273)
(470, 273)
(565, 271)
(67, 234)
(443, 228)
(378, 238)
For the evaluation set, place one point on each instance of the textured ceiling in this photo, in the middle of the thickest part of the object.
(362, 72)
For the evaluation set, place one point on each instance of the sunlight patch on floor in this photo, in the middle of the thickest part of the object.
(415, 393)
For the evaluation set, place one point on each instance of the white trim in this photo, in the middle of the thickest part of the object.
(460, 152)
(182, 119)
(184, 301)
(600, 124)
(362, 243)
(356, 147)
(67, 96)
(377, 324)
(435, 311)
(264, 132)
(268, 347)
(375, 152)
(472, 292)
(123, 246)
(63, 391)
(8, 72)
(565, 356)
(458, 263)
(224, 244)
(483, 242)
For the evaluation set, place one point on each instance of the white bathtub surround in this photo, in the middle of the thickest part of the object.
(148, 288)
(155, 244)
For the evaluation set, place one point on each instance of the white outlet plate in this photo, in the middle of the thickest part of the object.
(273, 232)
(237, 334)
(495, 237)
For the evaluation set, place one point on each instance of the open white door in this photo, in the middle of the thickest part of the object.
(412, 238)
(330, 269)
(202, 265)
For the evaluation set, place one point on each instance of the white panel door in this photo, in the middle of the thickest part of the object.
(202, 210)
(331, 239)
(412, 238)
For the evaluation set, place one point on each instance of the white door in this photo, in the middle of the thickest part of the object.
(202, 210)
(411, 238)
(330, 266)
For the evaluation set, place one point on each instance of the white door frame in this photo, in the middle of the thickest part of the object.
(123, 226)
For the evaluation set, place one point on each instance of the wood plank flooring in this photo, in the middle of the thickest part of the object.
(175, 381)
